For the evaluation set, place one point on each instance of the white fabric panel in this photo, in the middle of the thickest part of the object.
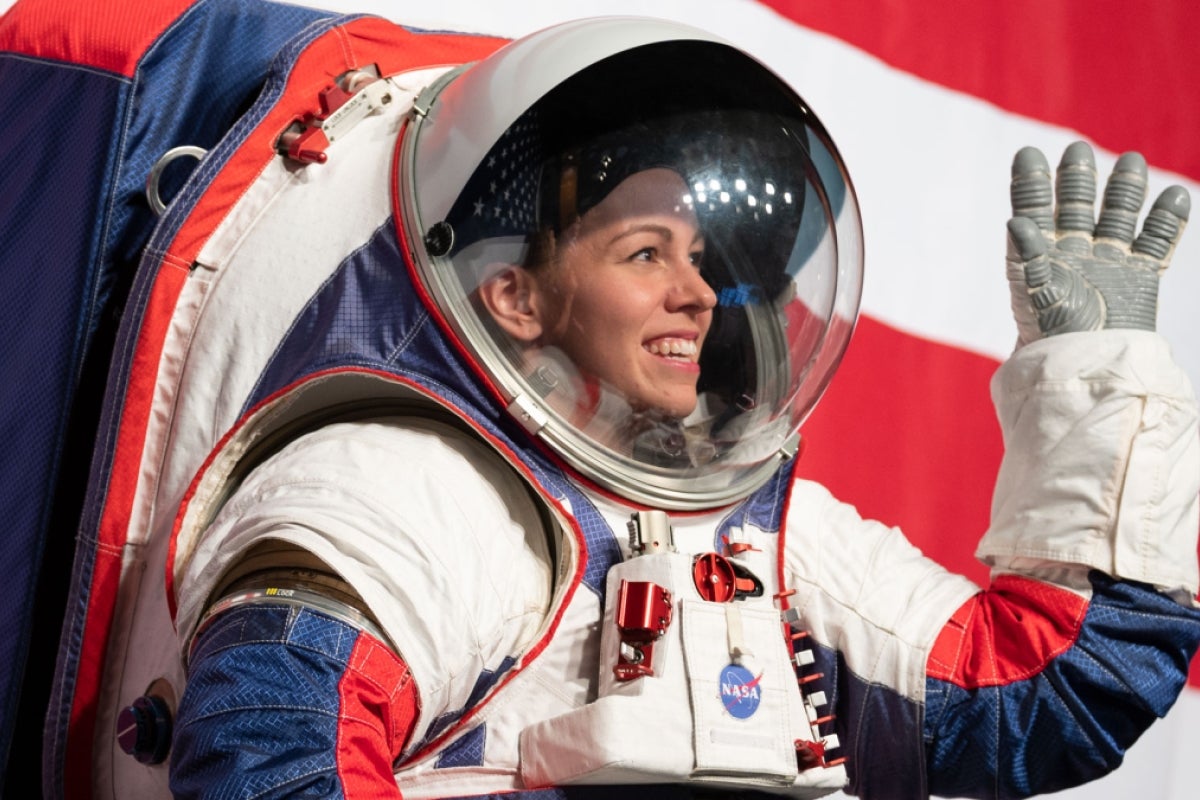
(442, 541)
(862, 588)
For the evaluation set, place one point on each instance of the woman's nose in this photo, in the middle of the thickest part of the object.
(691, 290)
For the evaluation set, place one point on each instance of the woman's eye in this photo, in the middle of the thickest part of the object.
(645, 254)
(696, 258)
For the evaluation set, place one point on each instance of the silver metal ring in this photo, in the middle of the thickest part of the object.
(156, 203)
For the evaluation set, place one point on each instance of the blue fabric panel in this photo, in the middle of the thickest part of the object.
(483, 684)
(878, 730)
(1095, 700)
(763, 509)
(369, 315)
(260, 714)
(55, 160)
(466, 750)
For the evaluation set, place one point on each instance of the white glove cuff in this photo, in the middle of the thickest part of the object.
(1102, 463)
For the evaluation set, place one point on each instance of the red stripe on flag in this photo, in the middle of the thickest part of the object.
(907, 434)
(1122, 76)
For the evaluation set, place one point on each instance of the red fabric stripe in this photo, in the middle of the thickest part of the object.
(106, 36)
(907, 434)
(360, 42)
(78, 752)
(103, 592)
(1006, 634)
(1120, 75)
(378, 707)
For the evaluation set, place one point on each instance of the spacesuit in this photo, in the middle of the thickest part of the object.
(436, 550)
(896, 672)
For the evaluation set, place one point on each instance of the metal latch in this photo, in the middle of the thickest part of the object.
(352, 97)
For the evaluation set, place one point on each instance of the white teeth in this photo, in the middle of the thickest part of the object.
(673, 347)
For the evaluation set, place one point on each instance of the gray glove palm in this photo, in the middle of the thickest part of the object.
(1068, 271)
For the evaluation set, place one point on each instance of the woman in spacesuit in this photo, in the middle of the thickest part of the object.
(642, 311)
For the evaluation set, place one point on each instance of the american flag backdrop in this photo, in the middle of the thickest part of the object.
(928, 100)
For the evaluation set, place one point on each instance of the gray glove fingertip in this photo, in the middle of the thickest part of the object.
(1133, 162)
(1076, 189)
(1027, 238)
(1164, 224)
(1123, 198)
(1175, 200)
(1031, 191)
(1078, 152)
(1029, 159)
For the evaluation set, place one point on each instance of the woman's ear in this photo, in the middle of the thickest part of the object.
(508, 296)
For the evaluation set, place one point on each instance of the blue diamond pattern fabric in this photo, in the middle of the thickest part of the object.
(260, 717)
(1095, 699)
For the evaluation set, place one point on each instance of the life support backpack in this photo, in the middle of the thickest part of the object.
(116, 113)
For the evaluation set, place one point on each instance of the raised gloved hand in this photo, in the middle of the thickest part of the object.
(1069, 271)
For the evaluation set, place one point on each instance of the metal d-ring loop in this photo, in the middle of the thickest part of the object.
(156, 203)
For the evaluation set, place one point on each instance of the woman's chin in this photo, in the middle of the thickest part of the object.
(671, 407)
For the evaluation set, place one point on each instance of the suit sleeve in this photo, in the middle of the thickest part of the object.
(1085, 635)
(285, 701)
(1044, 679)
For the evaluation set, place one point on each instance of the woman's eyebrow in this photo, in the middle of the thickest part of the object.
(652, 227)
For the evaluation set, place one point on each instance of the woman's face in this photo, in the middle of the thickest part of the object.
(623, 297)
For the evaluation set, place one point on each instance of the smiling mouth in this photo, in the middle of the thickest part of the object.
(673, 348)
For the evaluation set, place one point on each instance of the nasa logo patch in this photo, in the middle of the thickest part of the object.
(740, 691)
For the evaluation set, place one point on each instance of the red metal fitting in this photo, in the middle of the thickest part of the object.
(644, 611)
(809, 754)
(306, 146)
